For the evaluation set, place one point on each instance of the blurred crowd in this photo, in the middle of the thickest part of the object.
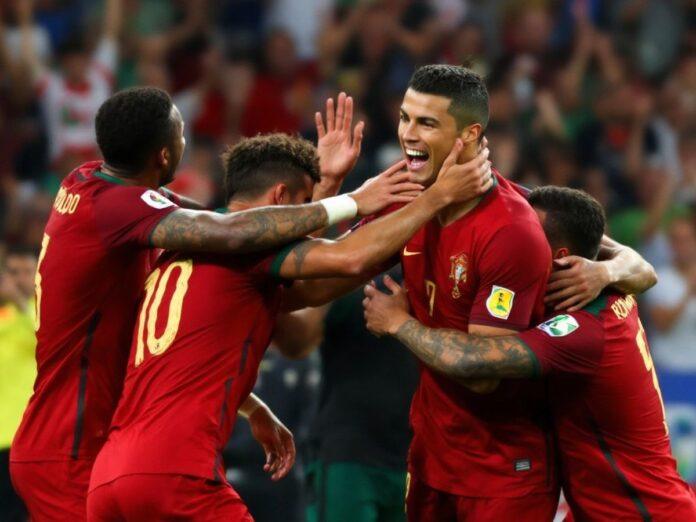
(584, 93)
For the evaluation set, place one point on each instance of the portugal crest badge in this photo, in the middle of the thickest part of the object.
(458, 268)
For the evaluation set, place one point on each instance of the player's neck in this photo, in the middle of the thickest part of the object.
(141, 179)
(455, 211)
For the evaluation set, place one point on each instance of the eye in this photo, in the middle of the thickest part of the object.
(403, 117)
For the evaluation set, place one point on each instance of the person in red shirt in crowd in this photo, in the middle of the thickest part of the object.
(615, 457)
(106, 222)
(205, 322)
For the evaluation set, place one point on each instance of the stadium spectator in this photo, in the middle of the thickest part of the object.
(71, 95)
(17, 365)
(672, 303)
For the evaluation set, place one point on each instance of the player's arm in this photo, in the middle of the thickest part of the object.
(451, 352)
(579, 281)
(378, 241)
(568, 343)
(297, 334)
(275, 439)
(268, 227)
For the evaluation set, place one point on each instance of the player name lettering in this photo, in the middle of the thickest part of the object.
(622, 307)
(66, 203)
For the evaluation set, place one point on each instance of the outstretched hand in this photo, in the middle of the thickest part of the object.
(384, 313)
(339, 144)
(465, 181)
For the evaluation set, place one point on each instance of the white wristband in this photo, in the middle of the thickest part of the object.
(339, 208)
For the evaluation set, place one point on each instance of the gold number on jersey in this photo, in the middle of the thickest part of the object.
(430, 289)
(642, 342)
(37, 282)
(155, 287)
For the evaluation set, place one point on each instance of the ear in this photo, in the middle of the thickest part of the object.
(471, 133)
(561, 252)
(280, 194)
(163, 157)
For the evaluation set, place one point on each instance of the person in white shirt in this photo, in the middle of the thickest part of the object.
(71, 95)
(672, 302)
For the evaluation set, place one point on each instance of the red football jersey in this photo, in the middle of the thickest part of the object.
(488, 268)
(616, 462)
(94, 259)
(204, 324)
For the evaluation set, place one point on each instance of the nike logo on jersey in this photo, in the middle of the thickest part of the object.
(407, 253)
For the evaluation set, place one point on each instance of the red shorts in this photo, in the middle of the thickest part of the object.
(147, 497)
(424, 503)
(54, 490)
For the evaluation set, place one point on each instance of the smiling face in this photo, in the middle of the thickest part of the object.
(427, 132)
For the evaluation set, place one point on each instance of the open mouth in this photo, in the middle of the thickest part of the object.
(416, 159)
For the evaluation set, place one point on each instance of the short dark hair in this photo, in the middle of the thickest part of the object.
(464, 87)
(574, 219)
(133, 124)
(254, 164)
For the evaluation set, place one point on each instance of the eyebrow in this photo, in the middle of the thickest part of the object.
(422, 120)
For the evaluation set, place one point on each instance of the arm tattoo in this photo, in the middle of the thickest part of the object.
(239, 232)
(464, 356)
(300, 253)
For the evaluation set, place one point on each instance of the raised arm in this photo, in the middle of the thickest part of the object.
(579, 281)
(113, 16)
(28, 54)
(378, 241)
(451, 352)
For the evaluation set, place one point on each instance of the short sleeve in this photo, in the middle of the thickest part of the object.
(513, 269)
(128, 215)
(567, 343)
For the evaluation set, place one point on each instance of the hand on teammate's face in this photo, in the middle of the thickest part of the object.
(276, 440)
(469, 180)
(390, 187)
(384, 313)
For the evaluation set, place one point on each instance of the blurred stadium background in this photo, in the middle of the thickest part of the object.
(584, 93)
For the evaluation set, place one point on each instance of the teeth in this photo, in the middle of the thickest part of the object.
(414, 152)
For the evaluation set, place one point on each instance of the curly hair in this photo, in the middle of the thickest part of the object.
(133, 124)
(255, 164)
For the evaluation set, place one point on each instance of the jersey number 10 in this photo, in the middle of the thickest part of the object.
(155, 287)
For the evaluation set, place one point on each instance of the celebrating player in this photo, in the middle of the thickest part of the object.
(481, 448)
(95, 257)
(205, 322)
(616, 461)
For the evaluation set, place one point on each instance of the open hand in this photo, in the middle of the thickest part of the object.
(384, 314)
(464, 182)
(275, 439)
(338, 147)
(575, 282)
(390, 187)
